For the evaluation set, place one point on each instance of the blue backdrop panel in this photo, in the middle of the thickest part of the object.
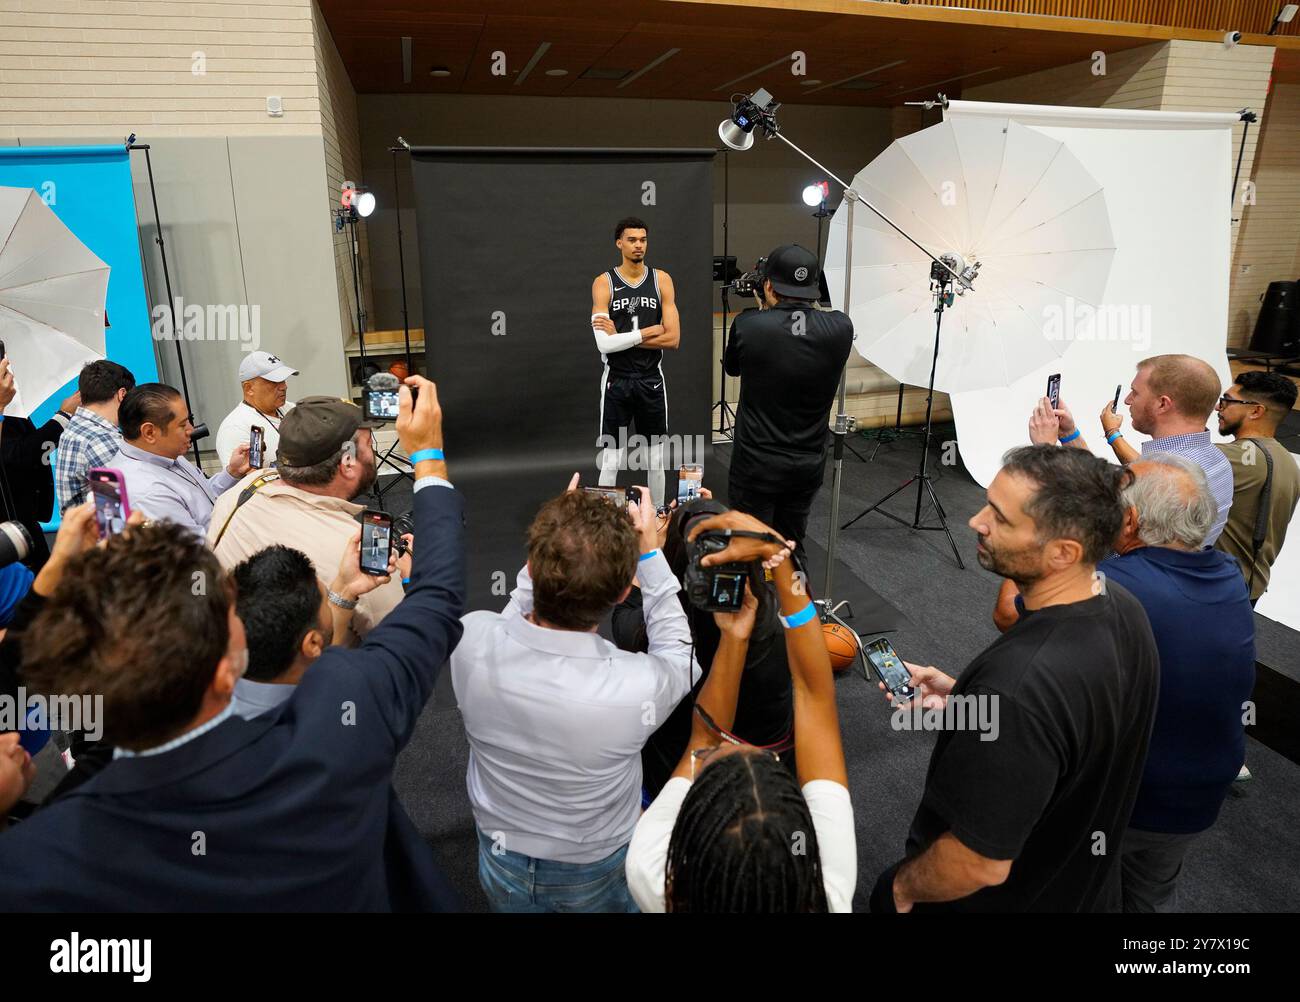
(89, 188)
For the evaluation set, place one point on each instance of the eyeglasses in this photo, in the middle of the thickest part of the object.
(1225, 401)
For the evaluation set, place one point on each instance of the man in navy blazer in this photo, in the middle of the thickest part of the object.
(203, 810)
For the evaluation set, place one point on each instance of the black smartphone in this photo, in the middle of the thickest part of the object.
(2, 351)
(256, 443)
(889, 667)
(108, 488)
(376, 541)
(617, 496)
(1115, 403)
(1054, 390)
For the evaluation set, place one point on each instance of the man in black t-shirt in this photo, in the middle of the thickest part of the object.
(789, 357)
(1028, 814)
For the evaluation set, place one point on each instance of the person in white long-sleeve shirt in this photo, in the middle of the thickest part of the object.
(732, 832)
(556, 715)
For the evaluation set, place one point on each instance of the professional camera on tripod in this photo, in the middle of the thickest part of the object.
(717, 587)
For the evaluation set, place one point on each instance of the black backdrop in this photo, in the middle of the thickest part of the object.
(516, 236)
(519, 234)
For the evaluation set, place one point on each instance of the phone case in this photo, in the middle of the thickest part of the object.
(121, 487)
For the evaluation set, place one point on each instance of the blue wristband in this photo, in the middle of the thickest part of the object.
(646, 556)
(423, 454)
(1110, 439)
(800, 617)
(1070, 437)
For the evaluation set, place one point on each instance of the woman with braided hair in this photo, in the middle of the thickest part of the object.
(732, 831)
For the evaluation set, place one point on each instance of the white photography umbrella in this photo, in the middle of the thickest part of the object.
(994, 193)
(52, 291)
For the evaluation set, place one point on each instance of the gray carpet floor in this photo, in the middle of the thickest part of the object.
(1247, 862)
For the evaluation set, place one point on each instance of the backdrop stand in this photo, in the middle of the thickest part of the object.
(131, 144)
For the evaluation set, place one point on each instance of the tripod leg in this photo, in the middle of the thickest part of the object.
(866, 511)
(943, 521)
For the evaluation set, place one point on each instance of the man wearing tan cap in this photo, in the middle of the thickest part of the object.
(263, 380)
(326, 458)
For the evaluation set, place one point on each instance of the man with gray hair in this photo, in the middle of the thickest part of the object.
(1171, 399)
(1200, 615)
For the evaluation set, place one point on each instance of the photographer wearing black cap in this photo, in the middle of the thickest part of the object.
(789, 356)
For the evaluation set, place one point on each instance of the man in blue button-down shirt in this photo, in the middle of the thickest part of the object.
(160, 481)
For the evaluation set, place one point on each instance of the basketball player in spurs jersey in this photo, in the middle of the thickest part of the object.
(634, 318)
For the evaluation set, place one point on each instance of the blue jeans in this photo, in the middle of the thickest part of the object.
(517, 883)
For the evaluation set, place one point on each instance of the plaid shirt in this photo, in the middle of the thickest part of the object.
(88, 441)
(1200, 450)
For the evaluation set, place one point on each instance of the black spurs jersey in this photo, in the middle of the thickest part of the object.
(634, 307)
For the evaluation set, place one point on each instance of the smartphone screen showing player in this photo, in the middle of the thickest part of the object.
(256, 446)
(109, 492)
(376, 541)
(690, 477)
(1054, 390)
(889, 667)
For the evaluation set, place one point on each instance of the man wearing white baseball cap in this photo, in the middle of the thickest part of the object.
(262, 376)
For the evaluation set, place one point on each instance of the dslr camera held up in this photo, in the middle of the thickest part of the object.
(719, 587)
(751, 282)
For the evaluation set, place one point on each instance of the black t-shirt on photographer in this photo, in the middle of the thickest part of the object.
(1076, 690)
(789, 359)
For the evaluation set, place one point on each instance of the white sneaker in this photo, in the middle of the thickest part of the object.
(1244, 776)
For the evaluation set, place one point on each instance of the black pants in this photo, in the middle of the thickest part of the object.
(785, 511)
(1150, 864)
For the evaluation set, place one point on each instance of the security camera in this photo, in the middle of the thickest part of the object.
(1231, 38)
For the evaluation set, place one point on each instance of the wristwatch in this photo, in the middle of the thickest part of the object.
(336, 599)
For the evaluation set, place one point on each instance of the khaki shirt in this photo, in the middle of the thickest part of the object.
(319, 526)
(1248, 472)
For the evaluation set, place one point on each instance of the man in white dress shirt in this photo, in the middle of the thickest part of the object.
(556, 715)
(262, 377)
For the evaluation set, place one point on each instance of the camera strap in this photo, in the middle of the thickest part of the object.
(784, 745)
(1261, 517)
(766, 537)
(244, 495)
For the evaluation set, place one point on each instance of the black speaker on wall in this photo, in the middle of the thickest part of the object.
(1277, 329)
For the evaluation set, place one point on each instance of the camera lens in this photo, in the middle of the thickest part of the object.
(15, 543)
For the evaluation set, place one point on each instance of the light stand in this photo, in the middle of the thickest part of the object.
(726, 415)
(941, 284)
(759, 112)
(347, 216)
